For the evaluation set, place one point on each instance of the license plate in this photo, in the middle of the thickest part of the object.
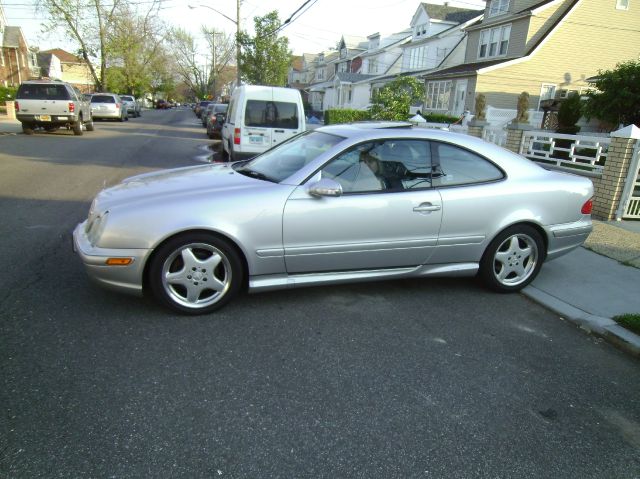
(44, 117)
(255, 140)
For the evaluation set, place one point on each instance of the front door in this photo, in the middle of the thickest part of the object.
(460, 97)
(388, 215)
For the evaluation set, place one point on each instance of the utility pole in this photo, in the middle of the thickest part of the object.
(237, 43)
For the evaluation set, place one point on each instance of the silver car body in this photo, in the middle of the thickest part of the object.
(290, 238)
(107, 105)
(131, 104)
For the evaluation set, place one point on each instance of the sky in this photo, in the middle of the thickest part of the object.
(317, 27)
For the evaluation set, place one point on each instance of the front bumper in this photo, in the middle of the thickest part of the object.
(126, 279)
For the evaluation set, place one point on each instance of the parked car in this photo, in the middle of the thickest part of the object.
(108, 106)
(51, 105)
(200, 107)
(341, 203)
(216, 120)
(210, 111)
(132, 105)
(161, 104)
(259, 118)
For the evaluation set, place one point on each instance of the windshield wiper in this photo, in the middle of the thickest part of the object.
(255, 174)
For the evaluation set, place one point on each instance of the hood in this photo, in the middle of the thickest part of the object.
(180, 182)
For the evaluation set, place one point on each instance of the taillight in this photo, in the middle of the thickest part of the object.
(72, 107)
(117, 105)
(17, 106)
(587, 207)
(236, 136)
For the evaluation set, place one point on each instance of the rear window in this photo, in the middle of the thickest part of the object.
(102, 99)
(220, 108)
(271, 114)
(42, 92)
(127, 98)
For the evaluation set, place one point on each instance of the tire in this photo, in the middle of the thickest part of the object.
(89, 125)
(77, 128)
(225, 154)
(184, 269)
(513, 259)
(27, 129)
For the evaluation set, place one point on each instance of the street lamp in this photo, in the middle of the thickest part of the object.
(237, 22)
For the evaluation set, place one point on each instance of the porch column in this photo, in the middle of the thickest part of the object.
(608, 191)
(476, 128)
(515, 133)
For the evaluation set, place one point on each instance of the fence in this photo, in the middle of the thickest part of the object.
(577, 152)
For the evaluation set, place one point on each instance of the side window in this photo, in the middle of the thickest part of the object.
(385, 166)
(231, 111)
(456, 166)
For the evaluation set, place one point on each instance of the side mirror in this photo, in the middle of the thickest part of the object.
(325, 187)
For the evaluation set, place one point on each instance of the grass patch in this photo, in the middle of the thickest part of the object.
(629, 321)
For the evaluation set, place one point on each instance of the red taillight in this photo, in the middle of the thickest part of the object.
(17, 106)
(236, 136)
(72, 107)
(117, 105)
(587, 207)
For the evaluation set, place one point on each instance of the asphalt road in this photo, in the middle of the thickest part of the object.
(429, 378)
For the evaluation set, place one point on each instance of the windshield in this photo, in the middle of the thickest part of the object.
(287, 158)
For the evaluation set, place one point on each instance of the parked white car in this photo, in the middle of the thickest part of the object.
(108, 106)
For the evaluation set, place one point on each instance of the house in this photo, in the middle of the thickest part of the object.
(323, 71)
(66, 67)
(17, 61)
(301, 73)
(546, 48)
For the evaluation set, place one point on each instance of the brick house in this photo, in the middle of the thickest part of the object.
(17, 62)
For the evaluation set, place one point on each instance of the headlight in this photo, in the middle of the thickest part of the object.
(95, 227)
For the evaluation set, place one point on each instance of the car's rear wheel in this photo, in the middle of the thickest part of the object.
(77, 128)
(27, 129)
(89, 125)
(196, 273)
(513, 259)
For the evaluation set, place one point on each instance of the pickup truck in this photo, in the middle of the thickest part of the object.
(51, 105)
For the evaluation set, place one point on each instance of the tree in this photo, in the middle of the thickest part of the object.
(265, 58)
(189, 67)
(89, 23)
(569, 114)
(617, 98)
(222, 47)
(136, 47)
(393, 101)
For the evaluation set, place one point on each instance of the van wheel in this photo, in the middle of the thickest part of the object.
(27, 129)
(225, 155)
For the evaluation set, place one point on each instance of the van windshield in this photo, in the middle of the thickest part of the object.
(271, 114)
(39, 91)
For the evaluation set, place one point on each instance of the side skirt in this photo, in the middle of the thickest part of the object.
(281, 281)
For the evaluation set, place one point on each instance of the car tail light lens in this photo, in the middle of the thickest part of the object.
(117, 105)
(587, 207)
(17, 106)
(236, 136)
(72, 107)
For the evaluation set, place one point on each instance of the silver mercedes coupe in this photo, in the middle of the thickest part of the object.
(343, 203)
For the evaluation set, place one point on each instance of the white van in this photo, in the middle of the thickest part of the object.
(260, 117)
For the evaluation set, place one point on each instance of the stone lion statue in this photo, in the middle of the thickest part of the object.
(523, 108)
(481, 106)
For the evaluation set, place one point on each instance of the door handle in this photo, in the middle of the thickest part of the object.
(426, 208)
(279, 131)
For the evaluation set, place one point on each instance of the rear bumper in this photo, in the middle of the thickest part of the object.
(566, 237)
(54, 119)
(126, 279)
(106, 114)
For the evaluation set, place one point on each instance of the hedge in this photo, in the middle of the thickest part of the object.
(345, 116)
(7, 93)
(440, 118)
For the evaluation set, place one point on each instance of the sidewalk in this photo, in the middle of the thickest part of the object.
(591, 285)
(8, 127)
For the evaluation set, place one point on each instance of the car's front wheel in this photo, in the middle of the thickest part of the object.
(513, 259)
(196, 273)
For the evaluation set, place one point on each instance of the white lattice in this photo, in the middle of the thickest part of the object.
(574, 151)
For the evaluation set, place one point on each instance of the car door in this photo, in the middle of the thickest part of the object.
(286, 121)
(388, 215)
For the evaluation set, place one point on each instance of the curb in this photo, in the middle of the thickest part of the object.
(605, 328)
